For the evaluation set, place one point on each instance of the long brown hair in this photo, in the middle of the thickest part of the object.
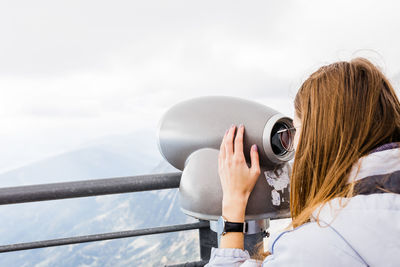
(346, 110)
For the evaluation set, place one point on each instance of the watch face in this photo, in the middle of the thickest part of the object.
(221, 225)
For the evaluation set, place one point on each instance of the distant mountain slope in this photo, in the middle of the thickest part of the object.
(109, 157)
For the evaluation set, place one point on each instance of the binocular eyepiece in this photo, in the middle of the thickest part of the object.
(282, 137)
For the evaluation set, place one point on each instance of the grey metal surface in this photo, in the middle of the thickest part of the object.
(41, 192)
(105, 236)
(201, 123)
(201, 193)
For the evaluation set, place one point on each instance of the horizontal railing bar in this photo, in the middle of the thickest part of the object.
(189, 264)
(86, 188)
(105, 236)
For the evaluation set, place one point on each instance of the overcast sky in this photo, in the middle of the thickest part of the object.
(75, 71)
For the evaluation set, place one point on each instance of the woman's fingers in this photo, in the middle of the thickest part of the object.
(237, 179)
(222, 146)
(229, 141)
(221, 157)
(239, 141)
(255, 163)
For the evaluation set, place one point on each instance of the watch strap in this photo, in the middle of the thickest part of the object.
(235, 227)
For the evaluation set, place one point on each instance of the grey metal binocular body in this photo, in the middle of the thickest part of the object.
(190, 134)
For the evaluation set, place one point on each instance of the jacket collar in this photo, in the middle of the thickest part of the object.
(382, 160)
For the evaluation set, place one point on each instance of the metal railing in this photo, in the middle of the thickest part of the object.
(55, 191)
(87, 188)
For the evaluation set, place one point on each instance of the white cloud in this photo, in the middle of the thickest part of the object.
(72, 71)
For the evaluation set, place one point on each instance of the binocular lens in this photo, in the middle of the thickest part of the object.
(282, 138)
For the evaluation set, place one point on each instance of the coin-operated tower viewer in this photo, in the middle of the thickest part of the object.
(190, 134)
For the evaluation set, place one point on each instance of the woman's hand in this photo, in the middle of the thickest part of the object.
(237, 179)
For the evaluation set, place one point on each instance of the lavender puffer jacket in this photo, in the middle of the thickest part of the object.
(366, 232)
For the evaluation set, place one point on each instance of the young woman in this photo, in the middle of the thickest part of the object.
(345, 181)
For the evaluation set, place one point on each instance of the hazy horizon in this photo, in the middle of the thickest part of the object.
(75, 71)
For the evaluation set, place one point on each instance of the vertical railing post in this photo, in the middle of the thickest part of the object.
(207, 240)
(251, 242)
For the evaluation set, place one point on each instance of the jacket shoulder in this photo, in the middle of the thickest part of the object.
(310, 245)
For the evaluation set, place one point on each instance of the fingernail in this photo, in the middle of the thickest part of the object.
(254, 147)
(233, 125)
(241, 125)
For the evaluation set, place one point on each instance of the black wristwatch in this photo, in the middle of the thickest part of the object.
(224, 226)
